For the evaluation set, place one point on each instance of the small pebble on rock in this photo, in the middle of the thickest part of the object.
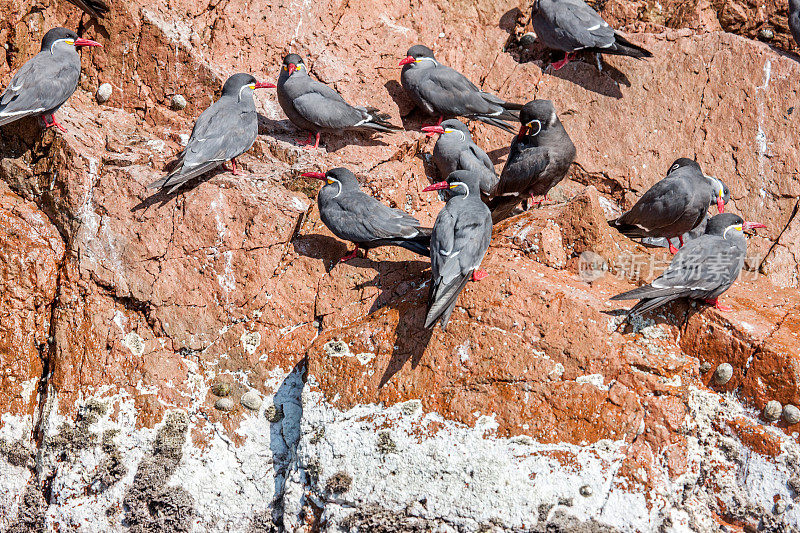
(791, 414)
(772, 411)
(104, 93)
(705, 367)
(586, 491)
(527, 40)
(766, 33)
(252, 400)
(780, 507)
(178, 102)
(723, 374)
(274, 413)
(224, 404)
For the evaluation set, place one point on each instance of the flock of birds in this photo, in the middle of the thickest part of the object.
(540, 156)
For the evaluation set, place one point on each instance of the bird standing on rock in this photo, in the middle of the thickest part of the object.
(675, 205)
(313, 106)
(223, 132)
(572, 26)
(540, 157)
(703, 269)
(455, 150)
(359, 218)
(441, 91)
(460, 238)
(46, 81)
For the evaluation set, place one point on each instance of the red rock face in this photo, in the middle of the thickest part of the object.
(144, 302)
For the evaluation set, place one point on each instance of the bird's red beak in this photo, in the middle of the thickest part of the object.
(406, 61)
(318, 175)
(522, 130)
(87, 42)
(752, 225)
(720, 204)
(264, 85)
(431, 130)
(292, 68)
(436, 186)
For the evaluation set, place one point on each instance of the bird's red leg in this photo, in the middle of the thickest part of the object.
(308, 140)
(560, 64)
(672, 249)
(349, 256)
(479, 274)
(233, 168)
(54, 123)
(316, 143)
(717, 305)
(680, 238)
(438, 123)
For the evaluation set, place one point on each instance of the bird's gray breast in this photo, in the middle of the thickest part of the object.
(412, 79)
(290, 89)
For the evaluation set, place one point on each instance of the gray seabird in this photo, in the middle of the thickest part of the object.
(359, 218)
(441, 91)
(46, 81)
(794, 19)
(572, 26)
(675, 205)
(224, 131)
(459, 241)
(315, 107)
(455, 150)
(94, 8)
(703, 269)
(540, 157)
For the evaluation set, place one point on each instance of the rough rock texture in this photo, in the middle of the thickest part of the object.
(121, 310)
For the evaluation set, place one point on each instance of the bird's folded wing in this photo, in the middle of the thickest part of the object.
(522, 168)
(481, 156)
(450, 90)
(703, 264)
(39, 85)
(327, 112)
(576, 21)
(662, 205)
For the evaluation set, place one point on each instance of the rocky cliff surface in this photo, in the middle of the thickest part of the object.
(198, 361)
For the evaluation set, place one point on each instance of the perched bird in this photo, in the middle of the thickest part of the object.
(794, 19)
(540, 157)
(223, 132)
(454, 150)
(313, 106)
(441, 91)
(571, 26)
(46, 81)
(675, 205)
(703, 269)
(94, 8)
(459, 241)
(361, 219)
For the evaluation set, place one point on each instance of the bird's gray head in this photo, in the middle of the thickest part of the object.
(535, 117)
(242, 84)
(419, 55)
(336, 180)
(459, 183)
(729, 225)
(453, 126)
(293, 63)
(682, 162)
(64, 39)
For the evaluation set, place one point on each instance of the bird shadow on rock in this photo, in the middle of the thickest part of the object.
(323, 247)
(675, 313)
(411, 340)
(404, 102)
(586, 75)
(508, 22)
(92, 23)
(498, 154)
(163, 197)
